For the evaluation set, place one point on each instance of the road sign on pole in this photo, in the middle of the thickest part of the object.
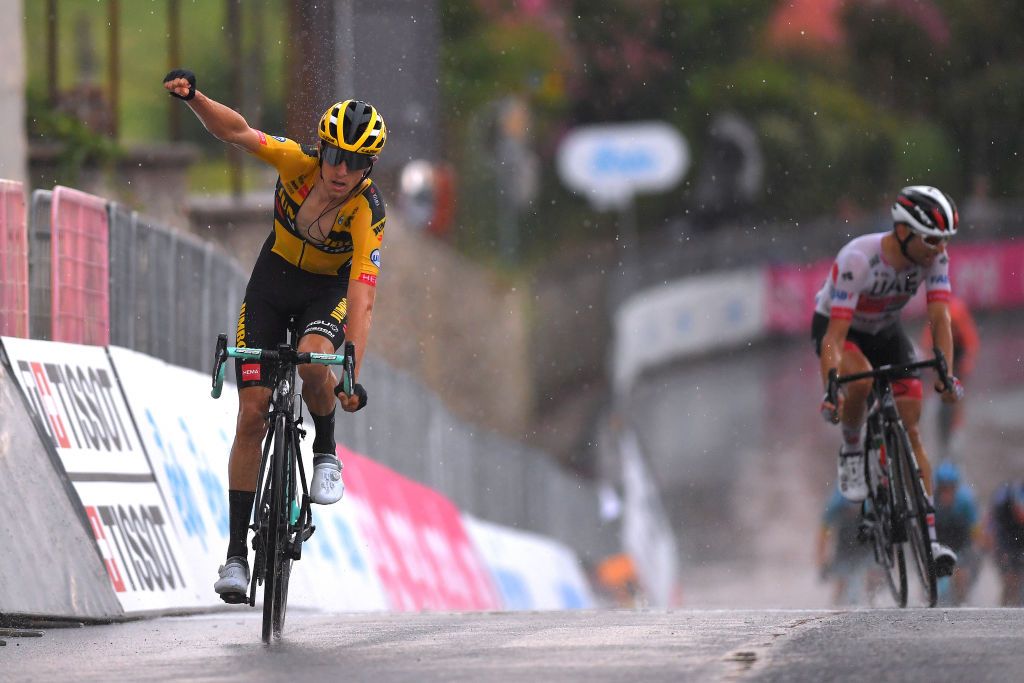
(611, 163)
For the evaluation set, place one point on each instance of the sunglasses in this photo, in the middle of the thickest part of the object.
(354, 161)
(934, 242)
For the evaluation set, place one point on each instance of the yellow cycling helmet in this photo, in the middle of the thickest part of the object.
(354, 126)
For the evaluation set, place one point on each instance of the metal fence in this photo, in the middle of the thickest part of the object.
(13, 260)
(171, 294)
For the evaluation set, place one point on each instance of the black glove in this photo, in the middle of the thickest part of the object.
(359, 391)
(188, 76)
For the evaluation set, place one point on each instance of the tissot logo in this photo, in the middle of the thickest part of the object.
(77, 405)
(135, 548)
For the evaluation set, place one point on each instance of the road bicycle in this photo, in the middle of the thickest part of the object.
(282, 520)
(897, 509)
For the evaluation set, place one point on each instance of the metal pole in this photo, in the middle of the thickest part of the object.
(174, 56)
(51, 52)
(114, 65)
(234, 40)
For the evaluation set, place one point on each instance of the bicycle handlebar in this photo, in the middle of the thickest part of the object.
(889, 371)
(283, 353)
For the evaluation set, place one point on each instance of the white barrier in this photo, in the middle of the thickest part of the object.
(153, 485)
(74, 393)
(532, 572)
(684, 318)
(49, 566)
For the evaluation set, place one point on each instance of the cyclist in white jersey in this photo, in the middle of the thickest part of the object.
(857, 327)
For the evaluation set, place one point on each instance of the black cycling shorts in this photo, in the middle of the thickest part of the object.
(891, 346)
(276, 291)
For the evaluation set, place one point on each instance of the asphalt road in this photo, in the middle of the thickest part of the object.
(881, 645)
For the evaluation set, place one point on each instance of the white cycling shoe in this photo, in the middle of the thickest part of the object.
(233, 583)
(852, 483)
(326, 486)
(945, 559)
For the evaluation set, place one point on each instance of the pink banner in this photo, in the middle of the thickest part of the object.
(985, 275)
(80, 268)
(423, 555)
(13, 260)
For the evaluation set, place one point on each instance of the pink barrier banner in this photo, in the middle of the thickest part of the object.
(13, 260)
(987, 276)
(423, 554)
(80, 267)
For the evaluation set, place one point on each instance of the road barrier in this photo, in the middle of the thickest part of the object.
(49, 565)
(145, 468)
(13, 260)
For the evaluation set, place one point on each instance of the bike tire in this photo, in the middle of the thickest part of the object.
(274, 546)
(284, 566)
(916, 517)
(888, 554)
(897, 523)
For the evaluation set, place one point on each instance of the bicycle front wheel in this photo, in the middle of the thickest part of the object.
(916, 518)
(276, 533)
(888, 546)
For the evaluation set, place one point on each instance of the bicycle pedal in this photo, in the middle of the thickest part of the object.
(307, 532)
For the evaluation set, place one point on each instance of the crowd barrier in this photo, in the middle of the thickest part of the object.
(714, 312)
(80, 268)
(13, 260)
(49, 565)
(143, 450)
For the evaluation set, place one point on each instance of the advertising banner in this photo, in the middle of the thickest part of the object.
(73, 392)
(422, 553)
(687, 317)
(532, 572)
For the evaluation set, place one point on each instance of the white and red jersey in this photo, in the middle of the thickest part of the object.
(864, 289)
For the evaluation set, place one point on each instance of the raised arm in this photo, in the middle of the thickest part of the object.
(223, 122)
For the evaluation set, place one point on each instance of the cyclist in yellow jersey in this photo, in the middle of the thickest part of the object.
(319, 264)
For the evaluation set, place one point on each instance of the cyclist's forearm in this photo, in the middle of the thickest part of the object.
(360, 315)
(830, 357)
(223, 122)
(942, 331)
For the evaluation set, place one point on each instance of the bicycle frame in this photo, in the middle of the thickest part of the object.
(282, 520)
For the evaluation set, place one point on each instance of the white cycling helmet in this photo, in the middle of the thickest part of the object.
(927, 210)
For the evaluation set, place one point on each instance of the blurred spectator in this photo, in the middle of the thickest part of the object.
(965, 351)
(617, 580)
(956, 523)
(1005, 537)
(841, 556)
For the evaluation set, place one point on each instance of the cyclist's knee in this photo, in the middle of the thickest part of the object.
(313, 375)
(252, 415)
(861, 388)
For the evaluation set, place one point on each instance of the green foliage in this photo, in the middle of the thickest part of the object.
(76, 145)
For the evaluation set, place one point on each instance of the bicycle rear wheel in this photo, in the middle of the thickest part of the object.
(276, 533)
(916, 515)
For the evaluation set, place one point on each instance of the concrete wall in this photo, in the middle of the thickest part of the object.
(50, 565)
(13, 151)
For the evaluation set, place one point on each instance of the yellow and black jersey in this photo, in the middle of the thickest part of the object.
(351, 250)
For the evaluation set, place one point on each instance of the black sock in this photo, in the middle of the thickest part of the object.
(323, 442)
(240, 510)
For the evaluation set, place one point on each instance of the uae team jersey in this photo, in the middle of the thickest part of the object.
(351, 248)
(864, 289)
